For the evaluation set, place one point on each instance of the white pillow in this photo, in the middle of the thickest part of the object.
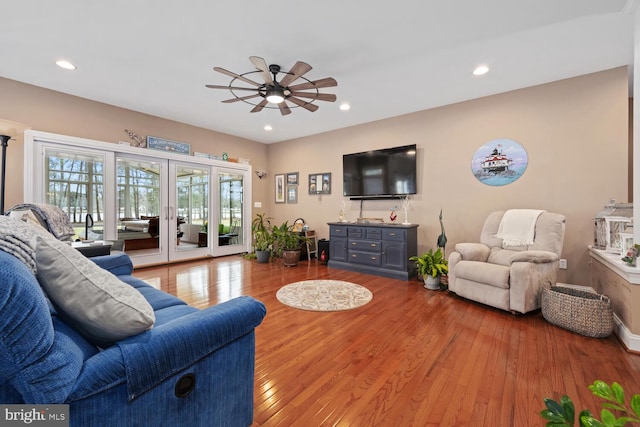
(96, 303)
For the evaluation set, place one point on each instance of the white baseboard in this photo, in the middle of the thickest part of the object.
(630, 341)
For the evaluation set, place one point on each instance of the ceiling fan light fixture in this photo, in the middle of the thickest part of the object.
(275, 96)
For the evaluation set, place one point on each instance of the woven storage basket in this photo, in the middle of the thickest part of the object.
(579, 311)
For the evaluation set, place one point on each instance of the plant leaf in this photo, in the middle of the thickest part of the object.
(618, 393)
(587, 420)
(624, 420)
(554, 419)
(568, 408)
(601, 389)
(635, 404)
(608, 418)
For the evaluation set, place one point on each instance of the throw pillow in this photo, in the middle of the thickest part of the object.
(93, 301)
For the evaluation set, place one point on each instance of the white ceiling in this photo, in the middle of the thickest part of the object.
(389, 58)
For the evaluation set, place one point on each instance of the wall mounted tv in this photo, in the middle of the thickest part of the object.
(380, 174)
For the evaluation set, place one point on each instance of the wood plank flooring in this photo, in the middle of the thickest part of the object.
(410, 357)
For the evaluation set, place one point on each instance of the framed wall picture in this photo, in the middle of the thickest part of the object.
(499, 162)
(280, 189)
(292, 178)
(292, 193)
(155, 143)
(320, 183)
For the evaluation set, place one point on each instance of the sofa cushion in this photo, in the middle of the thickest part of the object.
(39, 365)
(95, 302)
(483, 272)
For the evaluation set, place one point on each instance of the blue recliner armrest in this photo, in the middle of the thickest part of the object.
(119, 264)
(159, 353)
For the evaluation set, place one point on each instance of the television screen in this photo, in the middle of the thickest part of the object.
(390, 172)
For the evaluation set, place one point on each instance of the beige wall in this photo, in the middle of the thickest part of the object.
(55, 112)
(575, 132)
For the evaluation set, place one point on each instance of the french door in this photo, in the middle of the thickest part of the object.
(162, 206)
(156, 207)
(232, 213)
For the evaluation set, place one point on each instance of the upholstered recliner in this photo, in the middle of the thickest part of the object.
(506, 276)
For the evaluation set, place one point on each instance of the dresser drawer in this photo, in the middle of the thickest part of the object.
(355, 232)
(339, 231)
(398, 235)
(374, 233)
(365, 245)
(365, 258)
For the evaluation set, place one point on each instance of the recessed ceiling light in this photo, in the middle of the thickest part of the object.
(480, 70)
(66, 65)
(268, 127)
(345, 106)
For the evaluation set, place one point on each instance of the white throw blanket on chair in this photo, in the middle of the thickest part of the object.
(518, 226)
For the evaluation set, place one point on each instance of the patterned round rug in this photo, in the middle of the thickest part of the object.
(324, 295)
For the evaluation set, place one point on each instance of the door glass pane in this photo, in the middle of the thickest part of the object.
(139, 204)
(192, 189)
(75, 183)
(230, 230)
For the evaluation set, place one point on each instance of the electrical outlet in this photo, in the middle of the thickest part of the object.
(563, 264)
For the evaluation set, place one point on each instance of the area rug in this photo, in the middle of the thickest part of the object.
(324, 295)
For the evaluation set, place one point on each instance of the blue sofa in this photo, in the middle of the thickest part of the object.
(193, 368)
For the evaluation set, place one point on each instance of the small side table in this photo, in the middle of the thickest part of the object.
(95, 248)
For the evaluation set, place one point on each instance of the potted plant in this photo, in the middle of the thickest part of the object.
(262, 237)
(202, 235)
(288, 243)
(431, 265)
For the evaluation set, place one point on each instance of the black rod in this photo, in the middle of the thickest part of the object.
(5, 142)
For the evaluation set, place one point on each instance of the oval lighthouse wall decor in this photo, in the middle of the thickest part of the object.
(499, 162)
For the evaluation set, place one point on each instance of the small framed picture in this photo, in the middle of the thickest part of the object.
(292, 193)
(320, 183)
(280, 189)
(292, 178)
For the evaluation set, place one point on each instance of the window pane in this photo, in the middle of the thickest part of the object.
(74, 183)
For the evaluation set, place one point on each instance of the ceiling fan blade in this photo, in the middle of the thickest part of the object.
(284, 108)
(237, 76)
(319, 96)
(261, 65)
(303, 104)
(299, 69)
(230, 87)
(260, 106)
(242, 98)
(317, 84)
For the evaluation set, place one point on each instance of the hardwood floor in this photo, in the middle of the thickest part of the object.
(410, 357)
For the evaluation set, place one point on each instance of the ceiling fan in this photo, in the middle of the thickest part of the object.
(272, 91)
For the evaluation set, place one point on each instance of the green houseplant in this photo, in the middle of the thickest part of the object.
(431, 265)
(262, 237)
(288, 243)
(562, 413)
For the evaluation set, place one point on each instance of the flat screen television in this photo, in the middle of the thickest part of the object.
(379, 174)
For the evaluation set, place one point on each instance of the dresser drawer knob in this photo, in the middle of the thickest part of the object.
(373, 258)
(373, 245)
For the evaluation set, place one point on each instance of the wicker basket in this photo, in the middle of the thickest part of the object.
(579, 311)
